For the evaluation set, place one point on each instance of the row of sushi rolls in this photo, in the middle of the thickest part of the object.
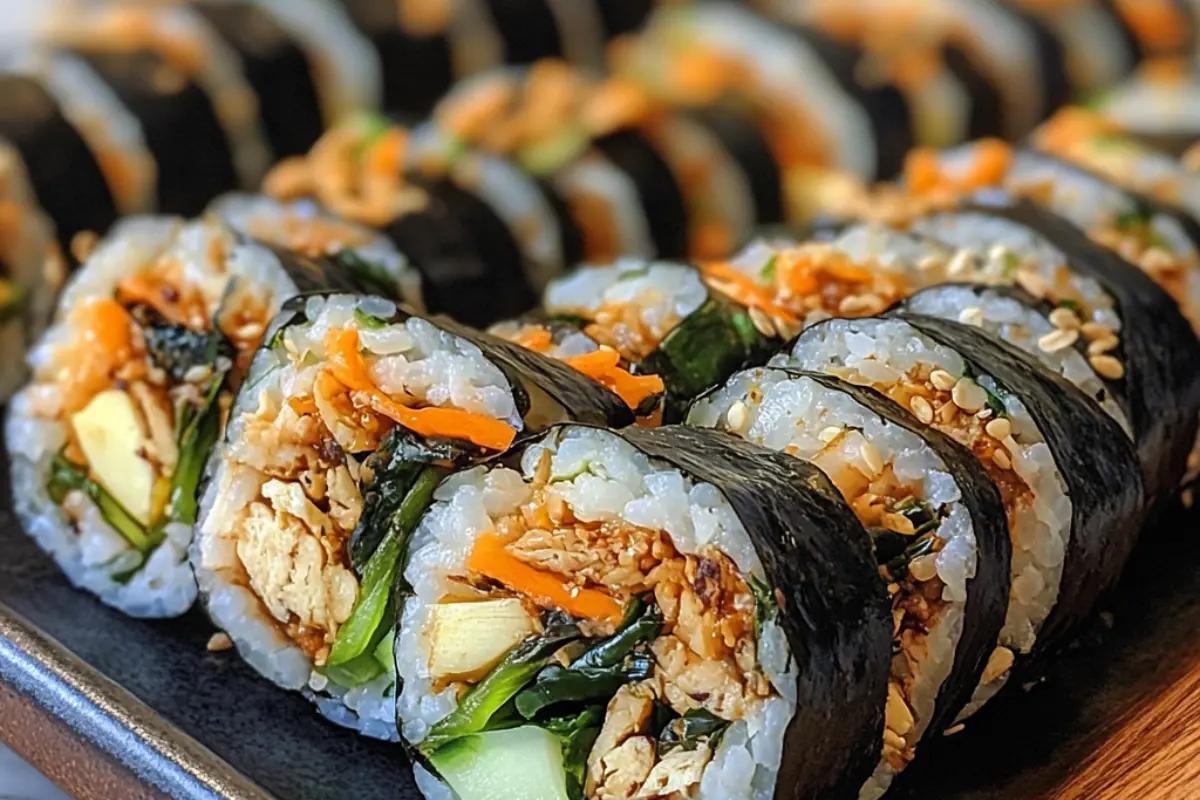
(606, 398)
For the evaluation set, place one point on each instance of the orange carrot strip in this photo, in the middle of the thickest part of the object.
(922, 172)
(603, 366)
(490, 559)
(992, 160)
(347, 365)
(753, 293)
(536, 339)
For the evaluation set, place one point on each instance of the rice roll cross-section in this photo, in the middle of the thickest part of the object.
(661, 319)
(460, 235)
(1101, 302)
(1073, 511)
(1159, 106)
(368, 258)
(31, 268)
(352, 412)
(936, 521)
(641, 614)
(108, 440)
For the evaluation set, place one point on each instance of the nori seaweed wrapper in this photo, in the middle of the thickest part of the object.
(63, 171)
(1093, 456)
(988, 588)
(417, 69)
(570, 235)
(1160, 390)
(987, 102)
(834, 610)
(618, 17)
(528, 29)
(660, 193)
(277, 68)
(1052, 56)
(747, 146)
(470, 265)
(182, 131)
(885, 105)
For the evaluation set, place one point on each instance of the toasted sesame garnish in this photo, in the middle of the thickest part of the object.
(1103, 345)
(1058, 339)
(1156, 259)
(1064, 318)
(1001, 459)
(923, 568)
(762, 322)
(947, 413)
(999, 428)
(856, 304)
(968, 395)
(1096, 330)
(999, 662)
(219, 642)
(971, 315)
(1032, 282)
(82, 244)
(942, 380)
(953, 729)
(960, 263)
(829, 434)
(930, 263)
(921, 408)
(1107, 367)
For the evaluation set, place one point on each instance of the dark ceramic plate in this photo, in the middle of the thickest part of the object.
(194, 724)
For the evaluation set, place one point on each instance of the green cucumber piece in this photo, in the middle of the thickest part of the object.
(519, 764)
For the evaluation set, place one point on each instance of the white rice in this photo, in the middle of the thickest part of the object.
(594, 178)
(1021, 325)
(416, 357)
(661, 292)
(569, 342)
(601, 477)
(272, 220)
(783, 410)
(91, 553)
(878, 352)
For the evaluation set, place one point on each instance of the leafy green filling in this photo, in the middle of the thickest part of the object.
(66, 477)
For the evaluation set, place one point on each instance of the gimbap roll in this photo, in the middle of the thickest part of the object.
(936, 521)
(301, 226)
(83, 151)
(108, 440)
(352, 412)
(469, 259)
(31, 268)
(1159, 105)
(307, 64)
(1067, 474)
(1099, 48)
(660, 318)
(1111, 308)
(656, 608)
(184, 88)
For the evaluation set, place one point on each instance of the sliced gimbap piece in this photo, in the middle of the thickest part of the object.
(1099, 50)
(1068, 476)
(470, 261)
(31, 268)
(655, 608)
(1159, 106)
(109, 439)
(370, 260)
(661, 319)
(183, 84)
(353, 411)
(936, 521)
(1122, 319)
(307, 64)
(537, 29)
(82, 150)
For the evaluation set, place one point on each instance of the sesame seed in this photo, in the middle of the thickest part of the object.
(737, 417)
(999, 428)
(870, 456)
(829, 434)
(998, 252)
(1032, 282)
(1064, 318)
(930, 263)
(923, 568)
(984, 414)
(942, 380)
(968, 395)
(999, 662)
(921, 408)
(1156, 259)
(219, 642)
(1104, 345)
(960, 262)
(761, 321)
(947, 413)
(1058, 339)
(1001, 459)
(953, 729)
(971, 315)
(1096, 330)
(1107, 367)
